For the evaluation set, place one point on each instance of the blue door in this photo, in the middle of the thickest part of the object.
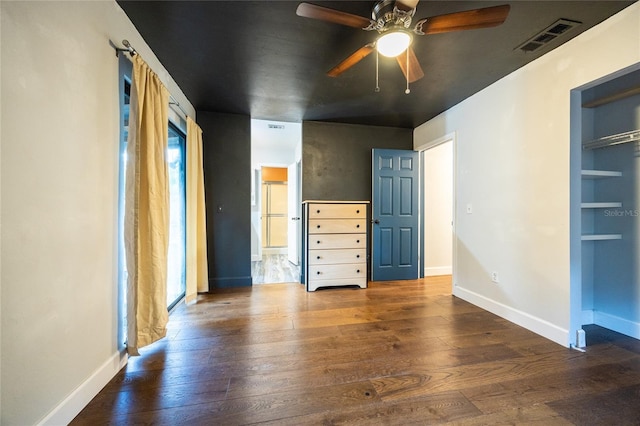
(394, 215)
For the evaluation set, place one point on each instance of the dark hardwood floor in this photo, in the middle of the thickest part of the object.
(397, 353)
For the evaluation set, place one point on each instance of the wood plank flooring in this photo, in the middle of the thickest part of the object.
(396, 353)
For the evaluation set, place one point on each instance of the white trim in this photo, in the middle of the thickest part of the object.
(431, 144)
(437, 270)
(587, 317)
(523, 319)
(621, 325)
(68, 409)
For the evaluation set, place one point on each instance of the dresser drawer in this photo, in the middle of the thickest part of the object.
(330, 272)
(328, 211)
(324, 257)
(337, 241)
(336, 226)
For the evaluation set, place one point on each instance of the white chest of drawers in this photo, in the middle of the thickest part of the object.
(335, 242)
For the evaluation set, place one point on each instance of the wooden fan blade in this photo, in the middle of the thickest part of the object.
(407, 4)
(355, 57)
(308, 10)
(414, 72)
(467, 20)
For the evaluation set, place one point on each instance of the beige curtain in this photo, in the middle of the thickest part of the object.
(197, 274)
(146, 209)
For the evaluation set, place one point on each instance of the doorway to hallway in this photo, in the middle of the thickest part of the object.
(438, 206)
(276, 151)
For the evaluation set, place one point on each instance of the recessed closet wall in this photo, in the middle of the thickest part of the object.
(610, 203)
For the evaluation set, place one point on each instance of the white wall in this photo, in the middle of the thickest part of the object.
(438, 204)
(513, 167)
(59, 167)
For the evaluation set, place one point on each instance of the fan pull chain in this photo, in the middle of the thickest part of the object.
(377, 59)
(407, 91)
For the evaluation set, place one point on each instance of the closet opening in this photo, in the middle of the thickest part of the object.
(605, 206)
(274, 208)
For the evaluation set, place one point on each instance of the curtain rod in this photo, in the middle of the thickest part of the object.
(131, 51)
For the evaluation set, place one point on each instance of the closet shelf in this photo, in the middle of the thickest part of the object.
(612, 98)
(600, 174)
(601, 237)
(605, 205)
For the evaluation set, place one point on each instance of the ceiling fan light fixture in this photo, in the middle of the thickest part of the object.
(393, 43)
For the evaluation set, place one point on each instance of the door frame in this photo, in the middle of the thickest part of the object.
(294, 213)
(578, 317)
(421, 148)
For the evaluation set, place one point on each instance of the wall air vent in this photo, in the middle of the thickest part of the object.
(552, 32)
(276, 126)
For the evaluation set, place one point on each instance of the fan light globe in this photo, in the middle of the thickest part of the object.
(393, 43)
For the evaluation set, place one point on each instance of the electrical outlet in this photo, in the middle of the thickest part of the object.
(494, 277)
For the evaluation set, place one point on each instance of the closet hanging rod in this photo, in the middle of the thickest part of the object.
(612, 98)
(130, 50)
(617, 139)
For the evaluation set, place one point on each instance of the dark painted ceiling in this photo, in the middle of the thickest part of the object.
(259, 58)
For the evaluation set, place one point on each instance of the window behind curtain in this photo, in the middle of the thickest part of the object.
(124, 88)
(176, 272)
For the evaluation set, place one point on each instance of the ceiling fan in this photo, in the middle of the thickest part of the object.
(392, 20)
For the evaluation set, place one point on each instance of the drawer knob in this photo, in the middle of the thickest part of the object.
(358, 226)
(318, 226)
(318, 241)
(317, 211)
(318, 273)
(357, 211)
(357, 271)
(358, 241)
(317, 257)
(357, 256)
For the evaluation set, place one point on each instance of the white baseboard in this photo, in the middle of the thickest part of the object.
(621, 325)
(433, 271)
(68, 409)
(587, 317)
(523, 319)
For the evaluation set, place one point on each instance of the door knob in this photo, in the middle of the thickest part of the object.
(377, 222)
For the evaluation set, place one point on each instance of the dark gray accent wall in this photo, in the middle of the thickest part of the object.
(336, 158)
(227, 180)
(336, 161)
(336, 165)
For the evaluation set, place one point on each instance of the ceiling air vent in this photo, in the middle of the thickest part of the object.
(553, 31)
(276, 126)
